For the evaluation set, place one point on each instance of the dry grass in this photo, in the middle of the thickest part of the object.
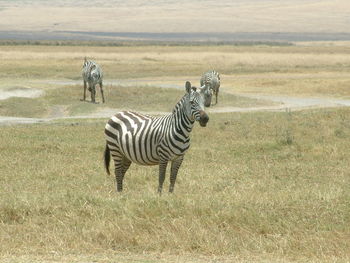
(260, 187)
(298, 70)
(321, 84)
(273, 187)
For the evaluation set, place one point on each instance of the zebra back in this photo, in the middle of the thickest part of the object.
(210, 78)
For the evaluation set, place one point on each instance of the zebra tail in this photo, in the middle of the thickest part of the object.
(107, 159)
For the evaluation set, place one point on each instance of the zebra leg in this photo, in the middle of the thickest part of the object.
(121, 166)
(175, 165)
(162, 169)
(84, 97)
(118, 164)
(216, 96)
(93, 94)
(101, 89)
(125, 166)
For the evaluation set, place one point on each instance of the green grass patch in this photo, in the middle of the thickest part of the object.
(23, 107)
(65, 101)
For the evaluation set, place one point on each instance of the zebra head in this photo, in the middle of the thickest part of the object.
(207, 93)
(194, 105)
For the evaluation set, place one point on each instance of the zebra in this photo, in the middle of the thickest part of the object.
(146, 140)
(92, 75)
(210, 82)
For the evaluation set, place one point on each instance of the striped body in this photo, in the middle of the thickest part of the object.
(146, 140)
(92, 75)
(211, 81)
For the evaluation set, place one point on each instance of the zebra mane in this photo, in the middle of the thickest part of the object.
(179, 104)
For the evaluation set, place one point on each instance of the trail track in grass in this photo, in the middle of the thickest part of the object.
(278, 102)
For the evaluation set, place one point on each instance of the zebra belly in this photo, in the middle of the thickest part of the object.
(118, 153)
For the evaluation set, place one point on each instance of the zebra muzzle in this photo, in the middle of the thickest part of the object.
(203, 118)
(207, 103)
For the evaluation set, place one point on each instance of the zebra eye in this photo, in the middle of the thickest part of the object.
(192, 102)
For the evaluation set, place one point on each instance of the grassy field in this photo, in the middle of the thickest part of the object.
(254, 187)
(291, 70)
(264, 187)
(65, 101)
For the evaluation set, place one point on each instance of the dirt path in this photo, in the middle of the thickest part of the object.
(18, 91)
(284, 102)
(295, 103)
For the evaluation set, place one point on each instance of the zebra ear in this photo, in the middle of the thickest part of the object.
(194, 88)
(188, 86)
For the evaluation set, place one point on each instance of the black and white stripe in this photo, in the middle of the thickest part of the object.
(210, 82)
(146, 140)
(92, 75)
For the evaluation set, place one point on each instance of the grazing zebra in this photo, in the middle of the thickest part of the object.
(92, 74)
(146, 140)
(210, 81)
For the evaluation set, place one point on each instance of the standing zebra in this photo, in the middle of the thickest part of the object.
(92, 74)
(211, 82)
(146, 140)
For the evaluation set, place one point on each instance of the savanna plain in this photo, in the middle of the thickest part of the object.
(254, 186)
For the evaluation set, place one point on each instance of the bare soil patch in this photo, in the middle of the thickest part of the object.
(18, 91)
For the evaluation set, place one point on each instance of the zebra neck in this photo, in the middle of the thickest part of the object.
(182, 124)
